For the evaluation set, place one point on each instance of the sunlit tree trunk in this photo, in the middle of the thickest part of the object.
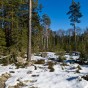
(47, 37)
(29, 31)
(75, 44)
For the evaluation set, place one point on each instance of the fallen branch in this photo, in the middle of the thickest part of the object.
(2, 57)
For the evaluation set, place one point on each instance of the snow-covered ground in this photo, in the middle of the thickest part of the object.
(72, 56)
(62, 77)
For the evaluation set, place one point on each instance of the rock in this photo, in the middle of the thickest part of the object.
(35, 75)
(3, 79)
(11, 71)
(29, 72)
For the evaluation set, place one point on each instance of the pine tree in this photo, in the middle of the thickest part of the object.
(75, 14)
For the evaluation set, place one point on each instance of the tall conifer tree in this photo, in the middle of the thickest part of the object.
(75, 14)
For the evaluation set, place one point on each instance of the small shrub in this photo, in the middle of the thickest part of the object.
(40, 62)
(61, 53)
(21, 65)
(61, 58)
(33, 81)
(50, 66)
(22, 54)
(12, 60)
(62, 67)
(20, 84)
(18, 65)
(64, 64)
(85, 77)
(4, 61)
(51, 69)
(79, 68)
(77, 71)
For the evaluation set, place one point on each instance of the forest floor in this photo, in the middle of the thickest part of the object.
(62, 76)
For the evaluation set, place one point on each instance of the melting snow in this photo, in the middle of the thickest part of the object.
(42, 78)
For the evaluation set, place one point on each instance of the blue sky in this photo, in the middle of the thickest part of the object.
(57, 9)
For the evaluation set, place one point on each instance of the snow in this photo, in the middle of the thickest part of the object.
(71, 56)
(67, 57)
(37, 57)
(75, 57)
(51, 55)
(42, 78)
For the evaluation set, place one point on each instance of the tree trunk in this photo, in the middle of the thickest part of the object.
(47, 42)
(46, 37)
(75, 37)
(44, 43)
(29, 32)
(69, 41)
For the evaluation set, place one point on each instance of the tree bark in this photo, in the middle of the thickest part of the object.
(47, 42)
(75, 37)
(46, 37)
(29, 32)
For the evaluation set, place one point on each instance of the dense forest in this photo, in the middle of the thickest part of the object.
(14, 30)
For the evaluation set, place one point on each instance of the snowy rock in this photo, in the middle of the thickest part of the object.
(28, 77)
